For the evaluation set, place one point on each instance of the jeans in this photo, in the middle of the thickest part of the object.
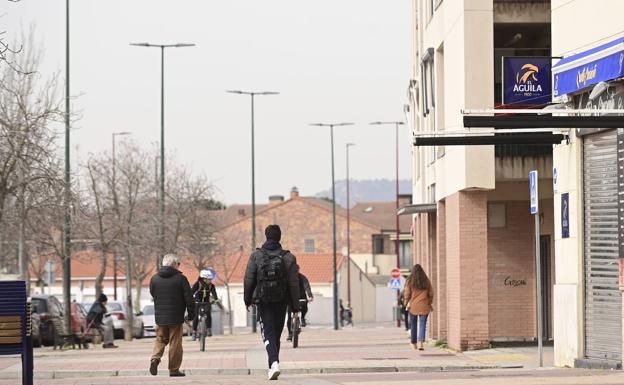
(271, 317)
(418, 322)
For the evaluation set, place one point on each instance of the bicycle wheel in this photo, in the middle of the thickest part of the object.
(296, 328)
(201, 331)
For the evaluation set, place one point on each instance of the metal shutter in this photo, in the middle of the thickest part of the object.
(603, 302)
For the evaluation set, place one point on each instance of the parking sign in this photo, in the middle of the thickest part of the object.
(533, 187)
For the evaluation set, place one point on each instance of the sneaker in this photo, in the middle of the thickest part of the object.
(289, 338)
(303, 323)
(177, 373)
(274, 372)
(193, 336)
(110, 346)
(154, 367)
(209, 332)
(414, 346)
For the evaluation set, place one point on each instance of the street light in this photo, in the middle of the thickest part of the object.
(331, 127)
(348, 230)
(67, 197)
(161, 227)
(398, 230)
(253, 181)
(114, 185)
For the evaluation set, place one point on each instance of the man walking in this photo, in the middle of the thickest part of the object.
(172, 296)
(272, 283)
(95, 320)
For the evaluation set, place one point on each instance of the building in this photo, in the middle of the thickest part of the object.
(473, 231)
(589, 277)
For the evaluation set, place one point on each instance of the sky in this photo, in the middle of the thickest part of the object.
(331, 61)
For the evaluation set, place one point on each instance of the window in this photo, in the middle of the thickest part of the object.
(405, 254)
(308, 246)
(378, 244)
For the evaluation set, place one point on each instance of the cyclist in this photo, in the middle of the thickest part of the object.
(305, 296)
(202, 290)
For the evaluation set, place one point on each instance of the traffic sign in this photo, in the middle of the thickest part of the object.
(213, 273)
(395, 283)
(533, 188)
(396, 273)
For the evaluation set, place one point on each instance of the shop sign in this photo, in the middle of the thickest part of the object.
(526, 80)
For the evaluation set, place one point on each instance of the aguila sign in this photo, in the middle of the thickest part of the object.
(526, 80)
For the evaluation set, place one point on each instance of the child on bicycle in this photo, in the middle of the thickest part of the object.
(202, 290)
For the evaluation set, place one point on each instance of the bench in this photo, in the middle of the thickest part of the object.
(15, 327)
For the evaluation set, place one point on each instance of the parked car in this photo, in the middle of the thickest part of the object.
(35, 329)
(49, 309)
(117, 311)
(149, 322)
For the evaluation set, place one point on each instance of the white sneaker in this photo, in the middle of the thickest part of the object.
(274, 372)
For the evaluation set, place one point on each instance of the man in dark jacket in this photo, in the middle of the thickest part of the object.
(95, 320)
(305, 296)
(172, 296)
(272, 283)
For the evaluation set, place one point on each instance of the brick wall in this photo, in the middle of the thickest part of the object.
(440, 298)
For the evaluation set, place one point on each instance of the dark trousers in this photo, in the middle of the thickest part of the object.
(303, 307)
(271, 317)
(207, 308)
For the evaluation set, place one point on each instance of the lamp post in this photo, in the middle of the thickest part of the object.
(161, 227)
(331, 130)
(67, 197)
(348, 230)
(254, 321)
(398, 230)
(114, 188)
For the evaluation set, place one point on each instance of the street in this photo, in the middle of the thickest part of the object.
(370, 354)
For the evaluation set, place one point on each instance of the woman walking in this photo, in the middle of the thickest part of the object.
(418, 297)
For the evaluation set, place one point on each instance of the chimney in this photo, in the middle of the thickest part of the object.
(275, 199)
(294, 192)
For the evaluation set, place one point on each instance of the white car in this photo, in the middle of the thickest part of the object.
(117, 311)
(149, 322)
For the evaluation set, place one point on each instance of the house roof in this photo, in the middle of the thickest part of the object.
(382, 214)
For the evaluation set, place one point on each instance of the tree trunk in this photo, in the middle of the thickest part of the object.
(137, 302)
(100, 277)
(227, 288)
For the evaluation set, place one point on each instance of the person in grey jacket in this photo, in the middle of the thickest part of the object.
(272, 284)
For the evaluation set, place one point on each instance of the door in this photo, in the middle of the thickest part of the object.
(603, 302)
(545, 259)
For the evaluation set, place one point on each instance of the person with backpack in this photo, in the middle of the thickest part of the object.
(418, 298)
(202, 290)
(272, 284)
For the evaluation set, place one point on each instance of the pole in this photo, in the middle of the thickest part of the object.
(397, 244)
(334, 230)
(67, 227)
(161, 227)
(348, 234)
(254, 314)
(114, 252)
(538, 286)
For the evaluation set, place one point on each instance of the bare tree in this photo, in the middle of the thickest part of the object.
(8, 51)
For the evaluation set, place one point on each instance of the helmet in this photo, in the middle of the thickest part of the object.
(207, 274)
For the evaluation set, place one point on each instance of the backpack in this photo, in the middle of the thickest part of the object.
(272, 286)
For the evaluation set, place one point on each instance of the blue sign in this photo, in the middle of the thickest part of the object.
(213, 273)
(526, 80)
(395, 283)
(587, 68)
(534, 194)
(565, 215)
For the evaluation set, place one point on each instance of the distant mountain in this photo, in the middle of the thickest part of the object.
(367, 190)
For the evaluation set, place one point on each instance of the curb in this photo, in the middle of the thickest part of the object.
(64, 374)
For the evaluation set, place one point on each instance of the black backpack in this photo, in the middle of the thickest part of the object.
(272, 282)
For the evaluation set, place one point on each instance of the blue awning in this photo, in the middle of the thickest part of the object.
(587, 68)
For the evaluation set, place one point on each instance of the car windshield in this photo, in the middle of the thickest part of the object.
(113, 306)
(39, 305)
(148, 310)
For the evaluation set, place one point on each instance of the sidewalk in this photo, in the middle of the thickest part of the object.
(364, 349)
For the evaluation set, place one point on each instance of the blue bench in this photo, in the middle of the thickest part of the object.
(15, 338)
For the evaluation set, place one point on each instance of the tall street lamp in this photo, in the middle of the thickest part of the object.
(348, 230)
(161, 227)
(253, 181)
(331, 130)
(114, 188)
(398, 230)
(67, 197)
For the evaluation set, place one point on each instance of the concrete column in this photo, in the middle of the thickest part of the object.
(440, 299)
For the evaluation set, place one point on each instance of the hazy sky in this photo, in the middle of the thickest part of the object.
(331, 60)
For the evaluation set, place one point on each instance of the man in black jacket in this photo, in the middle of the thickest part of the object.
(172, 296)
(272, 283)
(305, 296)
(95, 320)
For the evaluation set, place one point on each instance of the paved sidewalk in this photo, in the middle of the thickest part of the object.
(322, 350)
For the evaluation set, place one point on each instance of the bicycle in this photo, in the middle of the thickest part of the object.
(201, 328)
(296, 329)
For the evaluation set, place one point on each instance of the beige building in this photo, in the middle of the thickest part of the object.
(589, 35)
(473, 232)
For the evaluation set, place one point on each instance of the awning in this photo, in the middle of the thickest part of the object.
(484, 140)
(417, 208)
(544, 121)
(587, 68)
